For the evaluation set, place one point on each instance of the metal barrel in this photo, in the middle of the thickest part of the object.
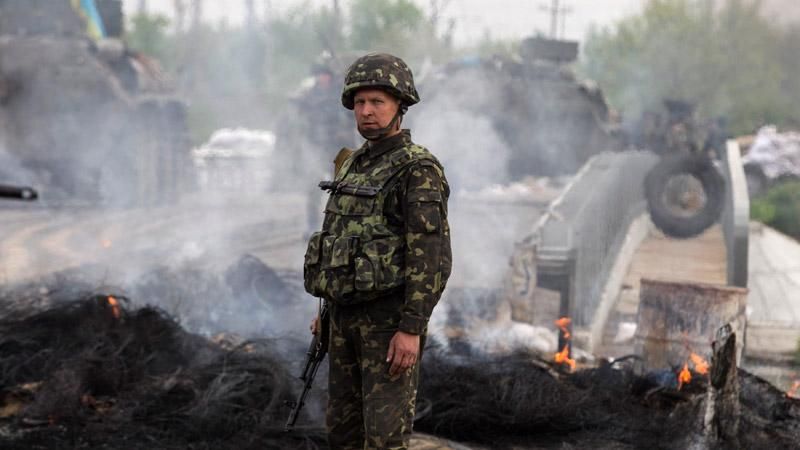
(675, 319)
(18, 193)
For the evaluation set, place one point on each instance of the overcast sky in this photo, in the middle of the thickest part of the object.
(502, 18)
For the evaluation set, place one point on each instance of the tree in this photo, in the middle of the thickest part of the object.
(245, 75)
(780, 208)
(148, 34)
(395, 26)
(726, 59)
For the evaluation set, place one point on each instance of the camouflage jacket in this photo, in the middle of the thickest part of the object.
(385, 231)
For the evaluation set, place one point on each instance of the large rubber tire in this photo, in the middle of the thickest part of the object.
(663, 215)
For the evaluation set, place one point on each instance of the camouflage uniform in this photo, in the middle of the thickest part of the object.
(381, 260)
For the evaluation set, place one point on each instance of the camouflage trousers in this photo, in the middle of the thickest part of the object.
(368, 409)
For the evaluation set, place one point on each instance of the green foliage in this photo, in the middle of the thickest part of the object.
(797, 354)
(780, 208)
(148, 34)
(395, 26)
(245, 75)
(383, 24)
(728, 59)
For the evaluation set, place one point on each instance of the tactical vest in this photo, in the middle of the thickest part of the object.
(358, 256)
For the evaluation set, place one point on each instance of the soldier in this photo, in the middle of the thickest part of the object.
(381, 261)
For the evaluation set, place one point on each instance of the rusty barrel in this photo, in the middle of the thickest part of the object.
(675, 319)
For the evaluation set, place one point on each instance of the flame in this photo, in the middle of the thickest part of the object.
(684, 377)
(794, 390)
(115, 310)
(563, 324)
(562, 357)
(105, 243)
(701, 366)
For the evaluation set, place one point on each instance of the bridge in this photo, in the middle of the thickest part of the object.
(595, 243)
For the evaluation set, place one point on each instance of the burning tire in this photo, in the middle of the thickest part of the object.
(685, 195)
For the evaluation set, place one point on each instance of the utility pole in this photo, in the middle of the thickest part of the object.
(557, 12)
(565, 11)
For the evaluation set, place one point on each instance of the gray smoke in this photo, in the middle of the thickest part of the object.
(163, 233)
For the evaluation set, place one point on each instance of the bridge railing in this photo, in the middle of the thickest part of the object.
(736, 215)
(578, 239)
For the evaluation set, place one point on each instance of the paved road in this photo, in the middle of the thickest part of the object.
(35, 242)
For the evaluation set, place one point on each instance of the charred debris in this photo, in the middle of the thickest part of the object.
(93, 374)
(89, 370)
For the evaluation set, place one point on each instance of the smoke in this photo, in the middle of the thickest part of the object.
(100, 139)
(451, 125)
(11, 170)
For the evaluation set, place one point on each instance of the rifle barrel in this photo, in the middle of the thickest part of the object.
(18, 193)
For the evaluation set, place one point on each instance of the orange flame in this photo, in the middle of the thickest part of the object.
(793, 391)
(115, 310)
(562, 357)
(563, 324)
(701, 366)
(685, 377)
(105, 243)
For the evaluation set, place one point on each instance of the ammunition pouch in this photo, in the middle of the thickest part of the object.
(345, 270)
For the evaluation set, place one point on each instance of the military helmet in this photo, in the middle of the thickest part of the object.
(381, 71)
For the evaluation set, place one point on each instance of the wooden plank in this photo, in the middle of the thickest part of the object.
(702, 259)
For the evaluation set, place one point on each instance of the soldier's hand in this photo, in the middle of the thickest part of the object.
(403, 352)
(314, 326)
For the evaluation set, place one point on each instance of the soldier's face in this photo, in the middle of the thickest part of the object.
(374, 109)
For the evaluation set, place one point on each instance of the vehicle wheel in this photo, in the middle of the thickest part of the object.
(685, 195)
(756, 180)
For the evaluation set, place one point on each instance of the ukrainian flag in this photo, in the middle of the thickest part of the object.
(94, 23)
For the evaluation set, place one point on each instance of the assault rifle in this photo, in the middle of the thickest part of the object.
(18, 193)
(314, 356)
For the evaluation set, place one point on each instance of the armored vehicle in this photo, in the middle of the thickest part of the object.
(550, 121)
(86, 118)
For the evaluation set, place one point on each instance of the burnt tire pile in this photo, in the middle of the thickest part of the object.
(661, 207)
(515, 403)
(90, 374)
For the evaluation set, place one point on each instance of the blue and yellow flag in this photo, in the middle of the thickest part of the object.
(94, 23)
